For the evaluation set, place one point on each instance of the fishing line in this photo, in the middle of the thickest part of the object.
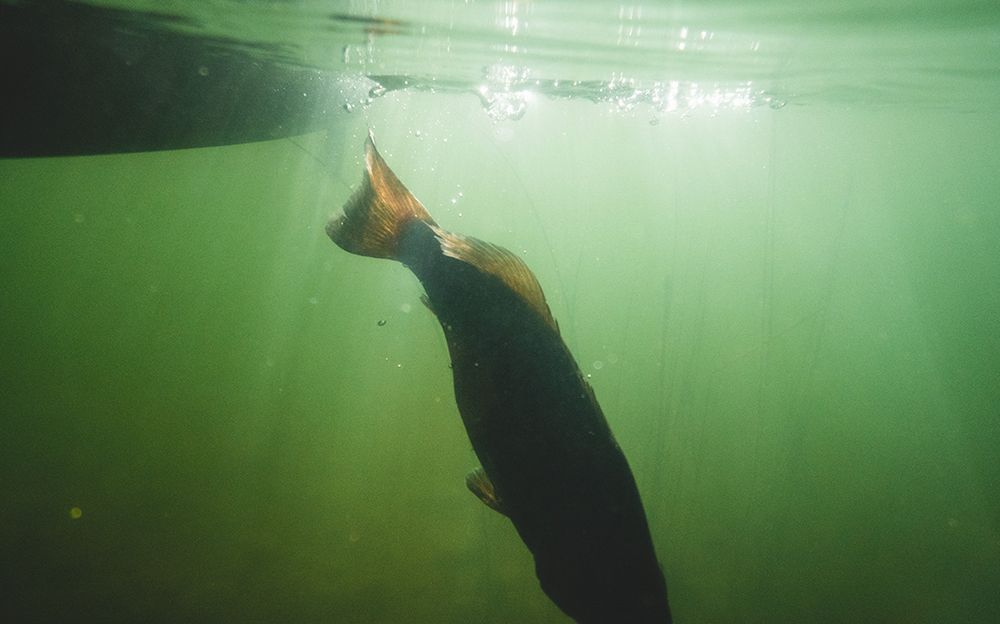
(535, 214)
(323, 164)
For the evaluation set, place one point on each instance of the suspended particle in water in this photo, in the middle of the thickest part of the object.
(598, 365)
(75, 513)
(381, 322)
(503, 133)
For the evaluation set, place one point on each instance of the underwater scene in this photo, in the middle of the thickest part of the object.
(768, 232)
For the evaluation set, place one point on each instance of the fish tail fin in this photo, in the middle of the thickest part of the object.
(377, 212)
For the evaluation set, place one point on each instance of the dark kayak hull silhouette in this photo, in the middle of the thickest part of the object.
(79, 80)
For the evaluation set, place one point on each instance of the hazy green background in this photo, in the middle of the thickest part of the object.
(790, 318)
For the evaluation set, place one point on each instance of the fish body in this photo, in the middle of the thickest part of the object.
(549, 460)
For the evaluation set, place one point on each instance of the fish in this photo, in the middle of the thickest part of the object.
(549, 461)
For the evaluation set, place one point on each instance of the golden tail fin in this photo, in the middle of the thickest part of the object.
(375, 214)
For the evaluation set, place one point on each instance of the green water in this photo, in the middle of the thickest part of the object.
(789, 315)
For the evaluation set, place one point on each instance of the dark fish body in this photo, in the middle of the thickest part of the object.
(549, 460)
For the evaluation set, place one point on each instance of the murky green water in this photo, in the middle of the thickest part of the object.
(786, 300)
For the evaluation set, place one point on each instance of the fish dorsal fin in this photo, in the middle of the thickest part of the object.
(500, 263)
(480, 485)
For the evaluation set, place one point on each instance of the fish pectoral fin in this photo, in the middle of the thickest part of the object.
(424, 299)
(480, 485)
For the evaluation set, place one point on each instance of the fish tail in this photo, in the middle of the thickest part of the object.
(375, 215)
